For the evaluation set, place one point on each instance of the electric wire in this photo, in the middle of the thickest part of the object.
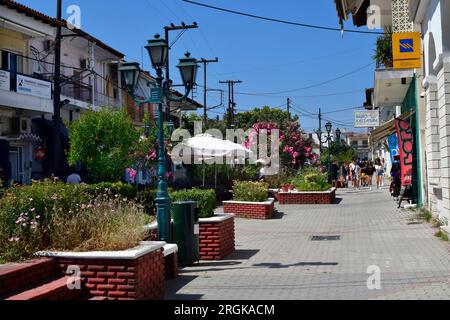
(298, 24)
(310, 86)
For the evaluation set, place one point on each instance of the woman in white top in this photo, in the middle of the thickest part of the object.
(379, 170)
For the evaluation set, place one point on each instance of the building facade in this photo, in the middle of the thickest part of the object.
(90, 81)
(433, 17)
(395, 90)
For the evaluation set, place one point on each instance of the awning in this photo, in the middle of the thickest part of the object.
(31, 137)
(50, 124)
(386, 129)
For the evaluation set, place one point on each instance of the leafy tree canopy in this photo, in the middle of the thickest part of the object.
(102, 140)
(246, 120)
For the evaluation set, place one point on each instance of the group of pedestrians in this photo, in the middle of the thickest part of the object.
(359, 173)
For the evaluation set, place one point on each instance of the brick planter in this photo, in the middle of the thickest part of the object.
(216, 237)
(250, 210)
(306, 197)
(17, 275)
(136, 274)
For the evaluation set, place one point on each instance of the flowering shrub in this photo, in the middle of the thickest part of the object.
(295, 151)
(250, 191)
(103, 224)
(27, 214)
(311, 180)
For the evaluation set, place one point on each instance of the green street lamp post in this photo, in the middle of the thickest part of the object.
(158, 51)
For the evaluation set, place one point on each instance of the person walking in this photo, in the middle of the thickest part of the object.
(74, 178)
(379, 173)
(355, 173)
(334, 173)
(384, 165)
(370, 170)
(363, 174)
(342, 174)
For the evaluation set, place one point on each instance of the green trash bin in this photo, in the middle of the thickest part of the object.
(186, 231)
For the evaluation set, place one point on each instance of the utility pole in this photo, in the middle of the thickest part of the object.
(167, 30)
(289, 110)
(57, 144)
(320, 129)
(231, 103)
(205, 63)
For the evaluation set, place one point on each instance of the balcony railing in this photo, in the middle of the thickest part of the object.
(78, 92)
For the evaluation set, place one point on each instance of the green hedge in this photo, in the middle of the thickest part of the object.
(250, 191)
(206, 200)
(147, 198)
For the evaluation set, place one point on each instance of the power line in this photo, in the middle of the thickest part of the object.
(345, 109)
(310, 86)
(314, 116)
(298, 24)
(295, 62)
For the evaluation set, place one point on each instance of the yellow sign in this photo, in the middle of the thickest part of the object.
(407, 50)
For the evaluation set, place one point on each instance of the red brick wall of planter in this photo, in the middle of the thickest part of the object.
(16, 276)
(250, 210)
(216, 238)
(119, 279)
(171, 266)
(307, 197)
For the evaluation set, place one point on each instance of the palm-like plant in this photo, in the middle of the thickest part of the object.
(383, 52)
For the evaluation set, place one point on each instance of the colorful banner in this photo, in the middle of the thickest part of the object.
(393, 146)
(406, 148)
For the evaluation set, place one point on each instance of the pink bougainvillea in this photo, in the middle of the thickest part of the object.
(295, 151)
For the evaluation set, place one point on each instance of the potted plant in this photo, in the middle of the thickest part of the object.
(383, 52)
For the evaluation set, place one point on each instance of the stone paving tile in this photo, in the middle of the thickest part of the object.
(275, 259)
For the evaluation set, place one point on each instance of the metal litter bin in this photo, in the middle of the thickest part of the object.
(186, 231)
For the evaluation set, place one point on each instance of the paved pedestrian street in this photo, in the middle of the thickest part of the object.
(276, 259)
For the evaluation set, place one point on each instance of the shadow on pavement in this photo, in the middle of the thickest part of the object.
(337, 200)
(278, 215)
(241, 254)
(299, 264)
(174, 285)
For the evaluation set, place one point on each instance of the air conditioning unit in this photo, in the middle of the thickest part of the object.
(20, 125)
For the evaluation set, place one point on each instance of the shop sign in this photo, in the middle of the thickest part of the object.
(5, 80)
(407, 50)
(34, 87)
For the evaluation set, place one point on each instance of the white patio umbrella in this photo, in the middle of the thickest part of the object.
(206, 147)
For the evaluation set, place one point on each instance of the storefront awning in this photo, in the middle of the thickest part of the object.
(23, 137)
(386, 129)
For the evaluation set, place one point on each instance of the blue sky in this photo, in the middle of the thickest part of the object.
(268, 57)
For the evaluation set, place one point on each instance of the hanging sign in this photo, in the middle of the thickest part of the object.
(406, 50)
(406, 149)
(367, 119)
(155, 95)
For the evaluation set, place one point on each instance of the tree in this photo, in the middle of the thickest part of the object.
(102, 141)
(246, 120)
(341, 153)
